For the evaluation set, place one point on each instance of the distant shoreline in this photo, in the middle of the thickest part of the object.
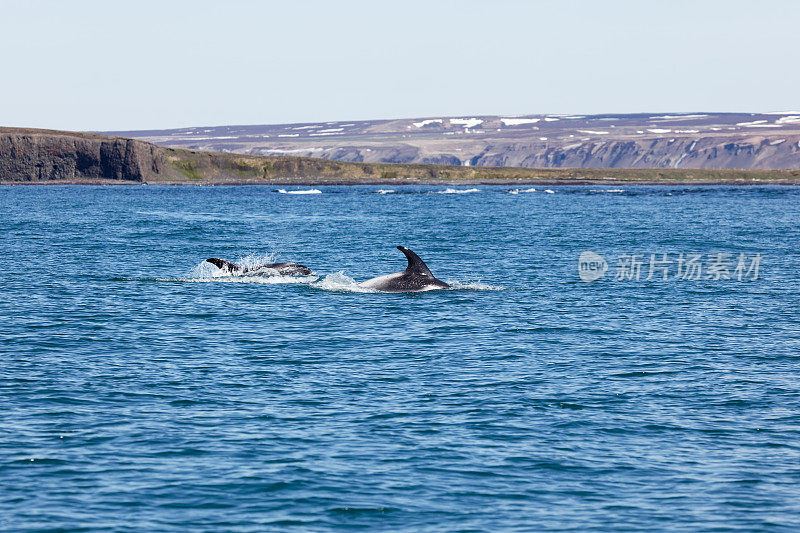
(30, 156)
(313, 183)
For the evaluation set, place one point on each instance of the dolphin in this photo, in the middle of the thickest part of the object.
(284, 269)
(416, 277)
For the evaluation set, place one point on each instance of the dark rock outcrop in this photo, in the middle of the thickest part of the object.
(42, 155)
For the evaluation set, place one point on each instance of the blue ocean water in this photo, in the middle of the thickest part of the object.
(142, 391)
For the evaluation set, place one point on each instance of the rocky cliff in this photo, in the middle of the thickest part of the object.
(28, 155)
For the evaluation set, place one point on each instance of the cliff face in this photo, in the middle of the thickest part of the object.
(676, 152)
(41, 155)
(754, 152)
(683, 140)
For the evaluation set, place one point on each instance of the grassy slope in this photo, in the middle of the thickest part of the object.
(219, 168)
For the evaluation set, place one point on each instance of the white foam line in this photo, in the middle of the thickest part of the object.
(457, 191)
(257, 280)
(309, 191)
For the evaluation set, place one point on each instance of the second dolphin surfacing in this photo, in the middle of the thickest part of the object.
(416, 277)
(284, 269)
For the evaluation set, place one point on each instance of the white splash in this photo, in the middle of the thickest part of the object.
(518, 191)
(385, 191)
(207, 273)
(658, 130)
(309, 191)
(457, 191)
(549, 191)
(593, 132)
(339, 282)
(788, 120)
(263, 279)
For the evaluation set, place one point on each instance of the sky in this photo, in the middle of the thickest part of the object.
(107, 65)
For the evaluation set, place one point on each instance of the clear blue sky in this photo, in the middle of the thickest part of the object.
(109, 65)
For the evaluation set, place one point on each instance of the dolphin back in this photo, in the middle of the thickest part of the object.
(284, 269)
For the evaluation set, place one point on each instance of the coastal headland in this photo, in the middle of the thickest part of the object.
(34, 156)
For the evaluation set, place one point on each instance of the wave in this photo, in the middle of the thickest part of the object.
(457, 191)
(336, 282)
(385, 191)
(518, 191)
(206, 272)
(607, 190)
(473, 286)
(188, 216)
(262, 279)
(308, 191)
(339, 282)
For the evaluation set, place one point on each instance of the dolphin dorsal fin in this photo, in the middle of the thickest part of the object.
(415, 264)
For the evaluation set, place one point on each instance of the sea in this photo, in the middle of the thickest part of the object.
(608, 358)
